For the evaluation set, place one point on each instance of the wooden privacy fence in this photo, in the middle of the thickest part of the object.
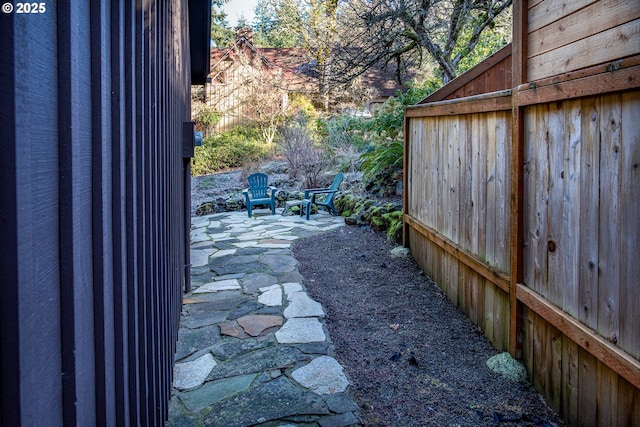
(457, 199)
(524, 206)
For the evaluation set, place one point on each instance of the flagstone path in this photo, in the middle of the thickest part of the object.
(252, 346)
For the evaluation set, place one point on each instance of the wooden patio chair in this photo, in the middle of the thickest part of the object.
(321, 197)
(259, 193)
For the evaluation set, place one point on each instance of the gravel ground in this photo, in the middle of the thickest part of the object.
(413, 358)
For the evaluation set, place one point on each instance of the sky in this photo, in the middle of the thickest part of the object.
(235, 8)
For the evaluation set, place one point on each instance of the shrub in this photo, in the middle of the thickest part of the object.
(385, 132)
(305, 157)
(205, 117)
(229, 149)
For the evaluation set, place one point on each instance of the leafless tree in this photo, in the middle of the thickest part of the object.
(405, 31)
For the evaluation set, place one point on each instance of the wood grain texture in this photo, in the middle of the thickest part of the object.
(596, 17)
(603, 47)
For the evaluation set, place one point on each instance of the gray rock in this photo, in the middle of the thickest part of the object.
(190, 341)
(237, 264)
(323, 376)
(219, 302)
(189, 375)
(301, 305)
(271, 296)
(270, 401)
(177, 414)
(314, 347)
(258, 361)
(252, 282)
(279, 263)
(340, 420)
(341, 403)
(203, 318)
(215, 391)
(229, 348)
(244, 309)
(219, 285)
(301, 330)
(400, 252)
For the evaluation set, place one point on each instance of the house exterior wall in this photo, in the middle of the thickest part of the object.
(92, 210)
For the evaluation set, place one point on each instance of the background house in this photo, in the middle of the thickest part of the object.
(96, 138)
(235, 74)
(522, 189)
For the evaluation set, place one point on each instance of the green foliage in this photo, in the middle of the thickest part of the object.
(382, 156)
(341, 131)
(393, 222)
(206, 117)
(269, 29)
(300, 105)
(221, 34)
(229, 149)
(494, 38)
(384, 132)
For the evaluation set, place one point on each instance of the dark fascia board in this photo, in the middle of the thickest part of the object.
(200, 39)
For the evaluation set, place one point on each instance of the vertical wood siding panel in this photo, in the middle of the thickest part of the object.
(119, 221)
(95, 171)
(102, 210)
(132, 58)
(9, 315)
(31, 336)
(75, 214)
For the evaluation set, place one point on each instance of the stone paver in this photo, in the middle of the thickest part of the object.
(301, 330)
(189, 375)
(221, 285)
(300, 305)
(322, 375)
(252, 348)
(271, 296)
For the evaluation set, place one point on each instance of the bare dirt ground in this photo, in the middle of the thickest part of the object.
(412, 357)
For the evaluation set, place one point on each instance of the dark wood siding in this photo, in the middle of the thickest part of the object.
(92, 210)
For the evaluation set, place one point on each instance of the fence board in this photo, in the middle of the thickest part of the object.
(546, 12)
(588, 238)
(570, 384)
(596, 49)
(555, 249)
(609, 218)
(596, 17)
(571, 176)
(629, 325)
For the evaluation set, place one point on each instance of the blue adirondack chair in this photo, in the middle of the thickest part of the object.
(321, 197)
(259, 193)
